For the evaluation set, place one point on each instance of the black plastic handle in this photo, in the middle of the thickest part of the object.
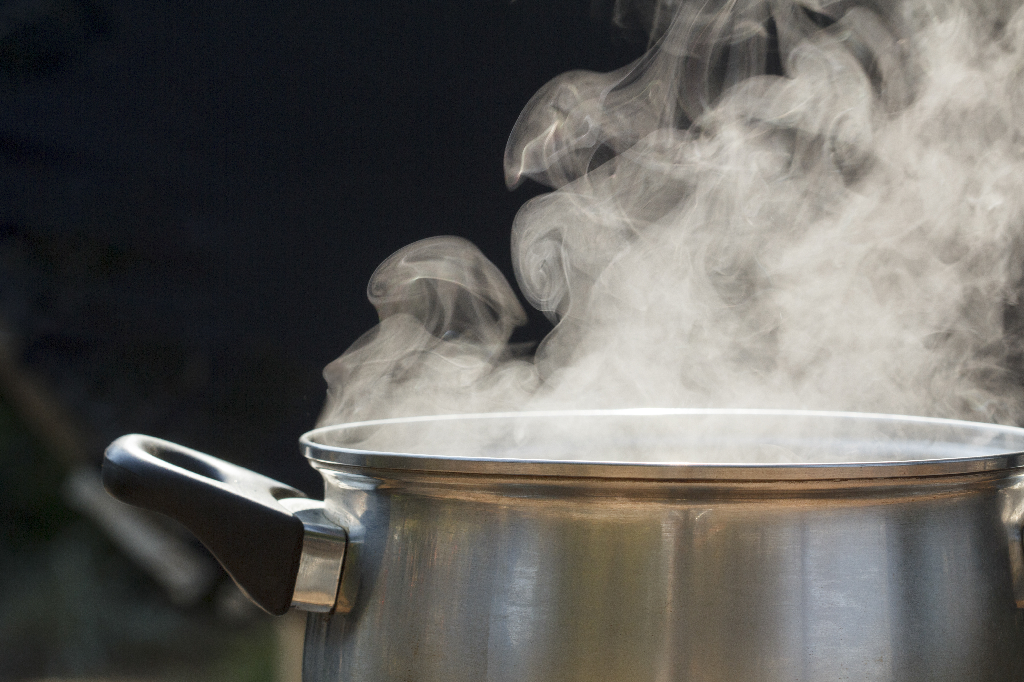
(233, 511)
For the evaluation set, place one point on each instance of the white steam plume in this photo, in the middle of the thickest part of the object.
(780, 205)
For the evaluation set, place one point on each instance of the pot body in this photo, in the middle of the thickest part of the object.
(625, 545)
(461, 577)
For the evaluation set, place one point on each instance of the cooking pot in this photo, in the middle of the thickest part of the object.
(626, 545)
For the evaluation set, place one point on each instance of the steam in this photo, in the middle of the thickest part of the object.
(442, 344)
(780, 205)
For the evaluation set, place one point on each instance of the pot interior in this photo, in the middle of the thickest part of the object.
(679, 437)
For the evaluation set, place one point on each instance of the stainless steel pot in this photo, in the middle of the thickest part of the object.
(870, 548)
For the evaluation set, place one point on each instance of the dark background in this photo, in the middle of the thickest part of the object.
(193, 196)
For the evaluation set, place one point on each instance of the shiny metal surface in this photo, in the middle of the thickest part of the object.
(676, 575)
(322, 558)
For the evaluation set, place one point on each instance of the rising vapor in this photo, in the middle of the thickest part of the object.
(780, 205)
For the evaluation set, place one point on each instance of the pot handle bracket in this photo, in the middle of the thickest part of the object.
(275, 543)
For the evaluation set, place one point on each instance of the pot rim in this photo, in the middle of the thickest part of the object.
(334, 457)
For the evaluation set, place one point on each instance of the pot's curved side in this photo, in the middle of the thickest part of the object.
(459, 578)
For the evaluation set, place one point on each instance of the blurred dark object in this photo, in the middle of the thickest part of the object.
(185, 574)
(130, 344)
(72, 606)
